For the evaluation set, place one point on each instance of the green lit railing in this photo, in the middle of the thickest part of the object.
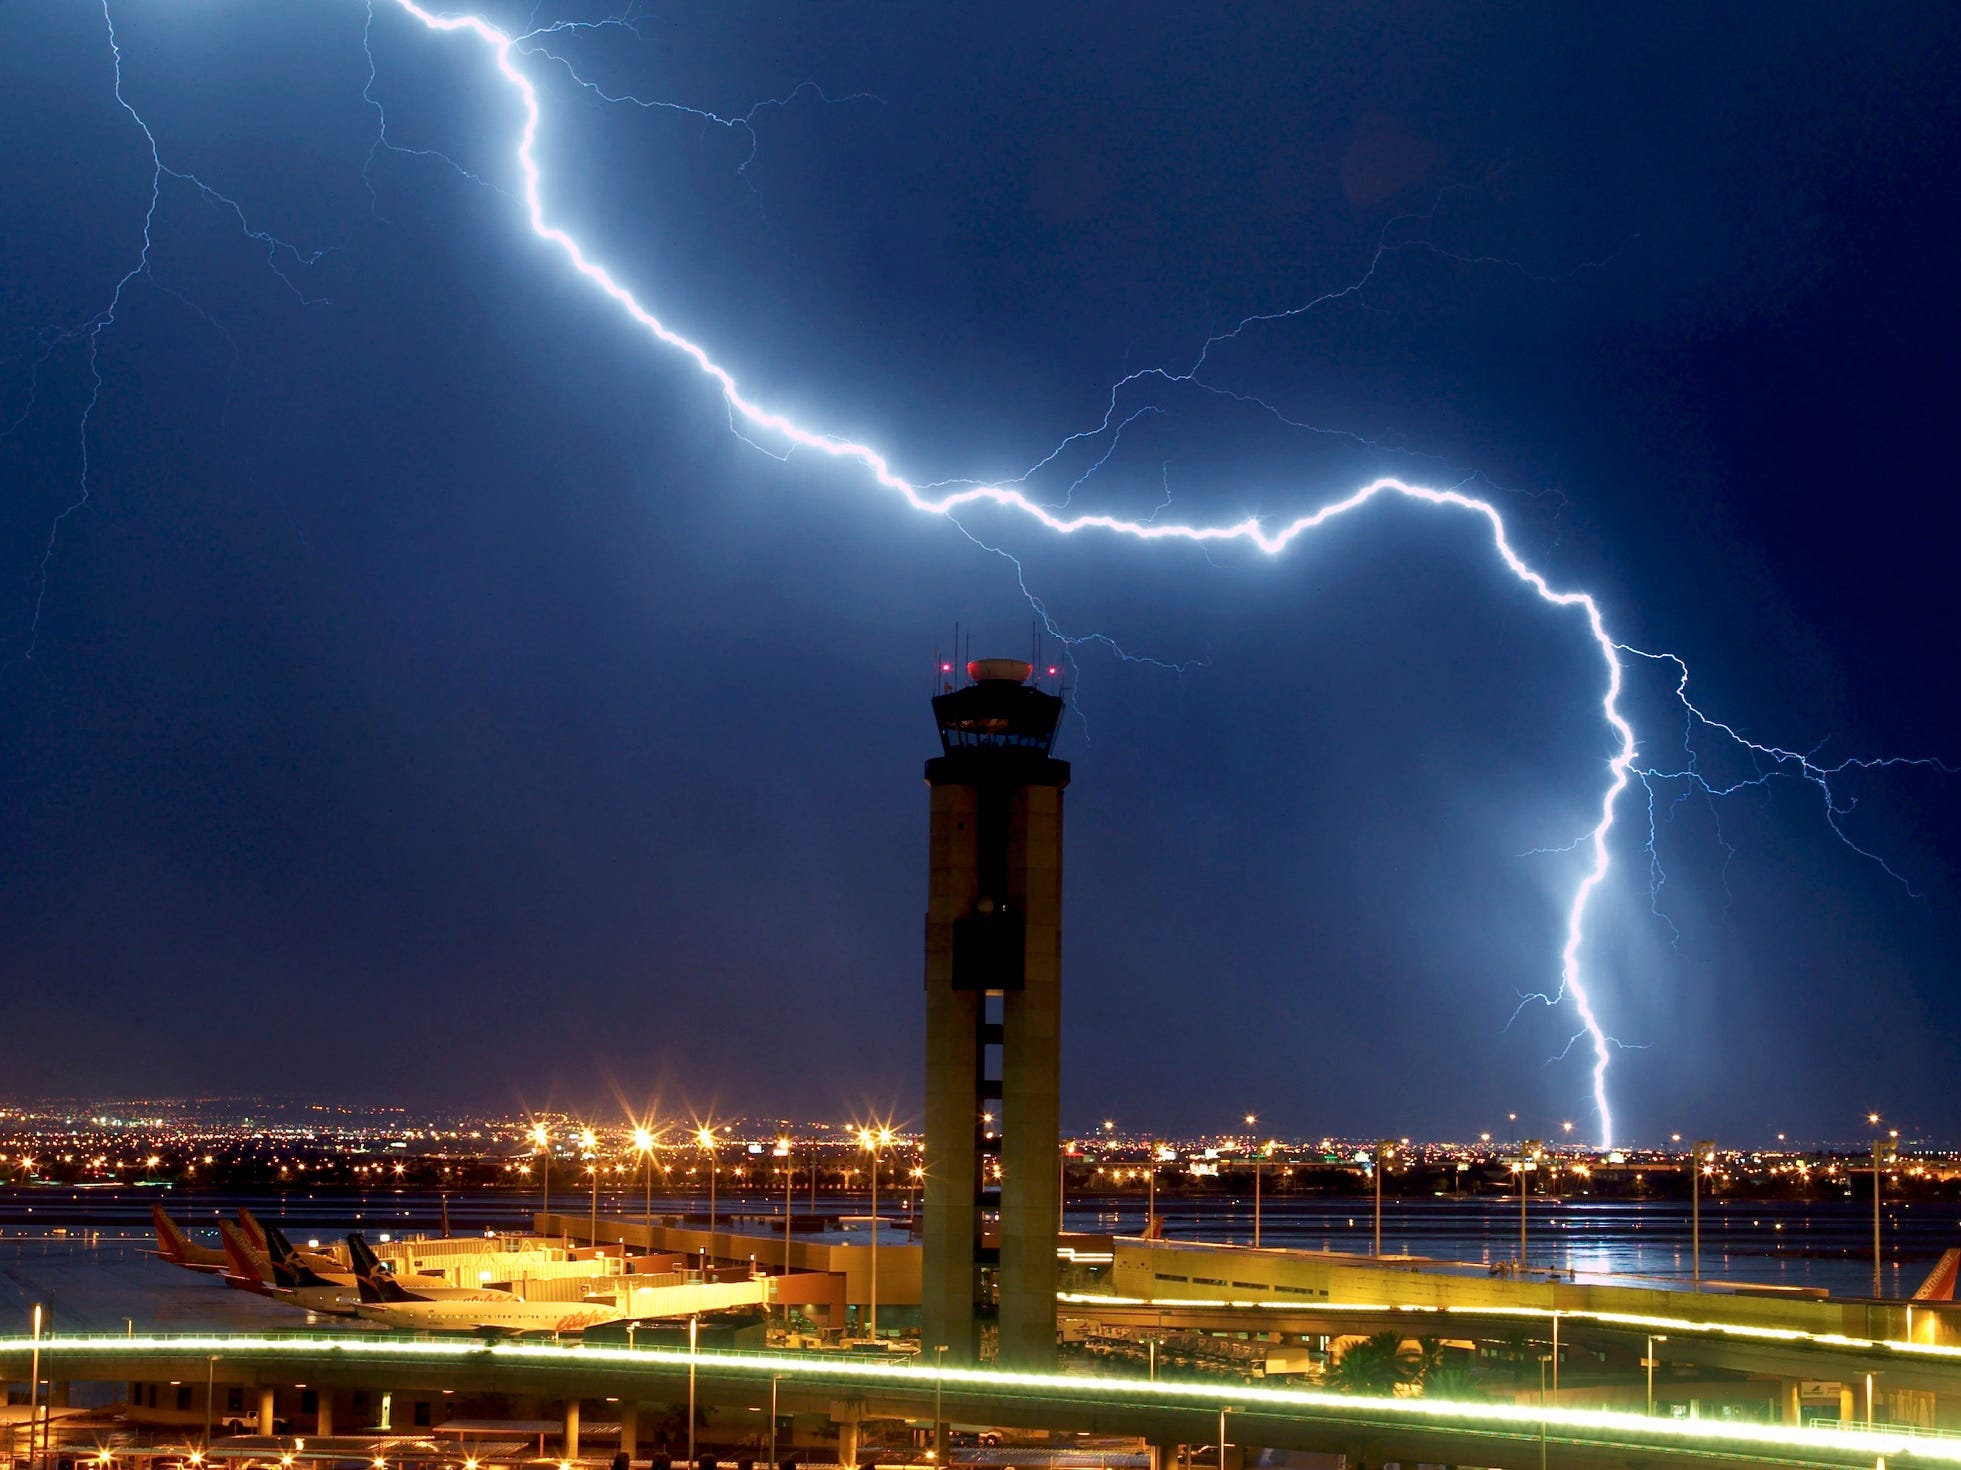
(1841, 1445)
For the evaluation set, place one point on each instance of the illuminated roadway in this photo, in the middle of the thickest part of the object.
(1366, 1429)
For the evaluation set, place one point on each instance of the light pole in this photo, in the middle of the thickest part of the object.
(1251, 1119)
(34, 1390)
(1223, 1411)
(705, 1139)
(694, 1329)
(939, 1415)
(1384, 1151)
(774, 1379)
(1653, 1338)
(1702, 1157)
(789, 1177)
(589, 1142)
(541, 1140)
(1523, 1149)
(210, 1374)
(872, 1140)
(1883, 1151)
(643, 1143)
(1542, 1411)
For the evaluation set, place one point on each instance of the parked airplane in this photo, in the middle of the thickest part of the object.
(1939, 1285)
(180, 1250)
(255, 1236)
(288, 1282)
(513, 1316)
(385, 1299)
(369, 1270)
(292, 1266)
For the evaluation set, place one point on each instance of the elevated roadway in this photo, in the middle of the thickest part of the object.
(1702, 1341)
(1371, 1430)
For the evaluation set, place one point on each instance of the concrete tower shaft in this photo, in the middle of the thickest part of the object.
(993, 1015)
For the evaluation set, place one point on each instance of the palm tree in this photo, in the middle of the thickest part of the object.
(1429, 1357)
(1450, 1381)
(1375, 1365)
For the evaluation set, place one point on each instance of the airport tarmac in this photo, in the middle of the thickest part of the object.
(116, 1287)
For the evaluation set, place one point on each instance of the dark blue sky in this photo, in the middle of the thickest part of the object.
(435, 701)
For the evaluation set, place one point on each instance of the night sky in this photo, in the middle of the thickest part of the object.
(435, 702)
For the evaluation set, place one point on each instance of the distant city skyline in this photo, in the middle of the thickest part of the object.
(276, 1118)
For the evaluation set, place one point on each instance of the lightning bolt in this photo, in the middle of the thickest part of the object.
(90, 331)
(505, 50)
(777, 434)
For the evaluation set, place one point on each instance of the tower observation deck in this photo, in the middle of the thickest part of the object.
(993, 1015)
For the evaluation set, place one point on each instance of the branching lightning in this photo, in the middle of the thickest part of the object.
(779, 435)
(505, 50)
(90, 331)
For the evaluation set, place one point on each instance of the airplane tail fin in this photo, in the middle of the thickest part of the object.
(249, 1269)
(1939, 1285)
(373, 1282)
(255, 1233)
(287, 1266)
(362, 1255)
(1154, 1230)
(170, 1239)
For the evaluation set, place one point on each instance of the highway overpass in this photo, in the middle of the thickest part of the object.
(851, 1388)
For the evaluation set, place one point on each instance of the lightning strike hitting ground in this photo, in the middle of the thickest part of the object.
(948, 498)
(1272, 540)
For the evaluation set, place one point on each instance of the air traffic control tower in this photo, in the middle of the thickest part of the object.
(993, 1016)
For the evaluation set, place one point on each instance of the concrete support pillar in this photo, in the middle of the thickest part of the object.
(265, 1410)
(570, 1441)
(846, 1416)
(629, 1429)
(1848, 1404)
(1788, 1390)
(323, 1420)
(58, 1394)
